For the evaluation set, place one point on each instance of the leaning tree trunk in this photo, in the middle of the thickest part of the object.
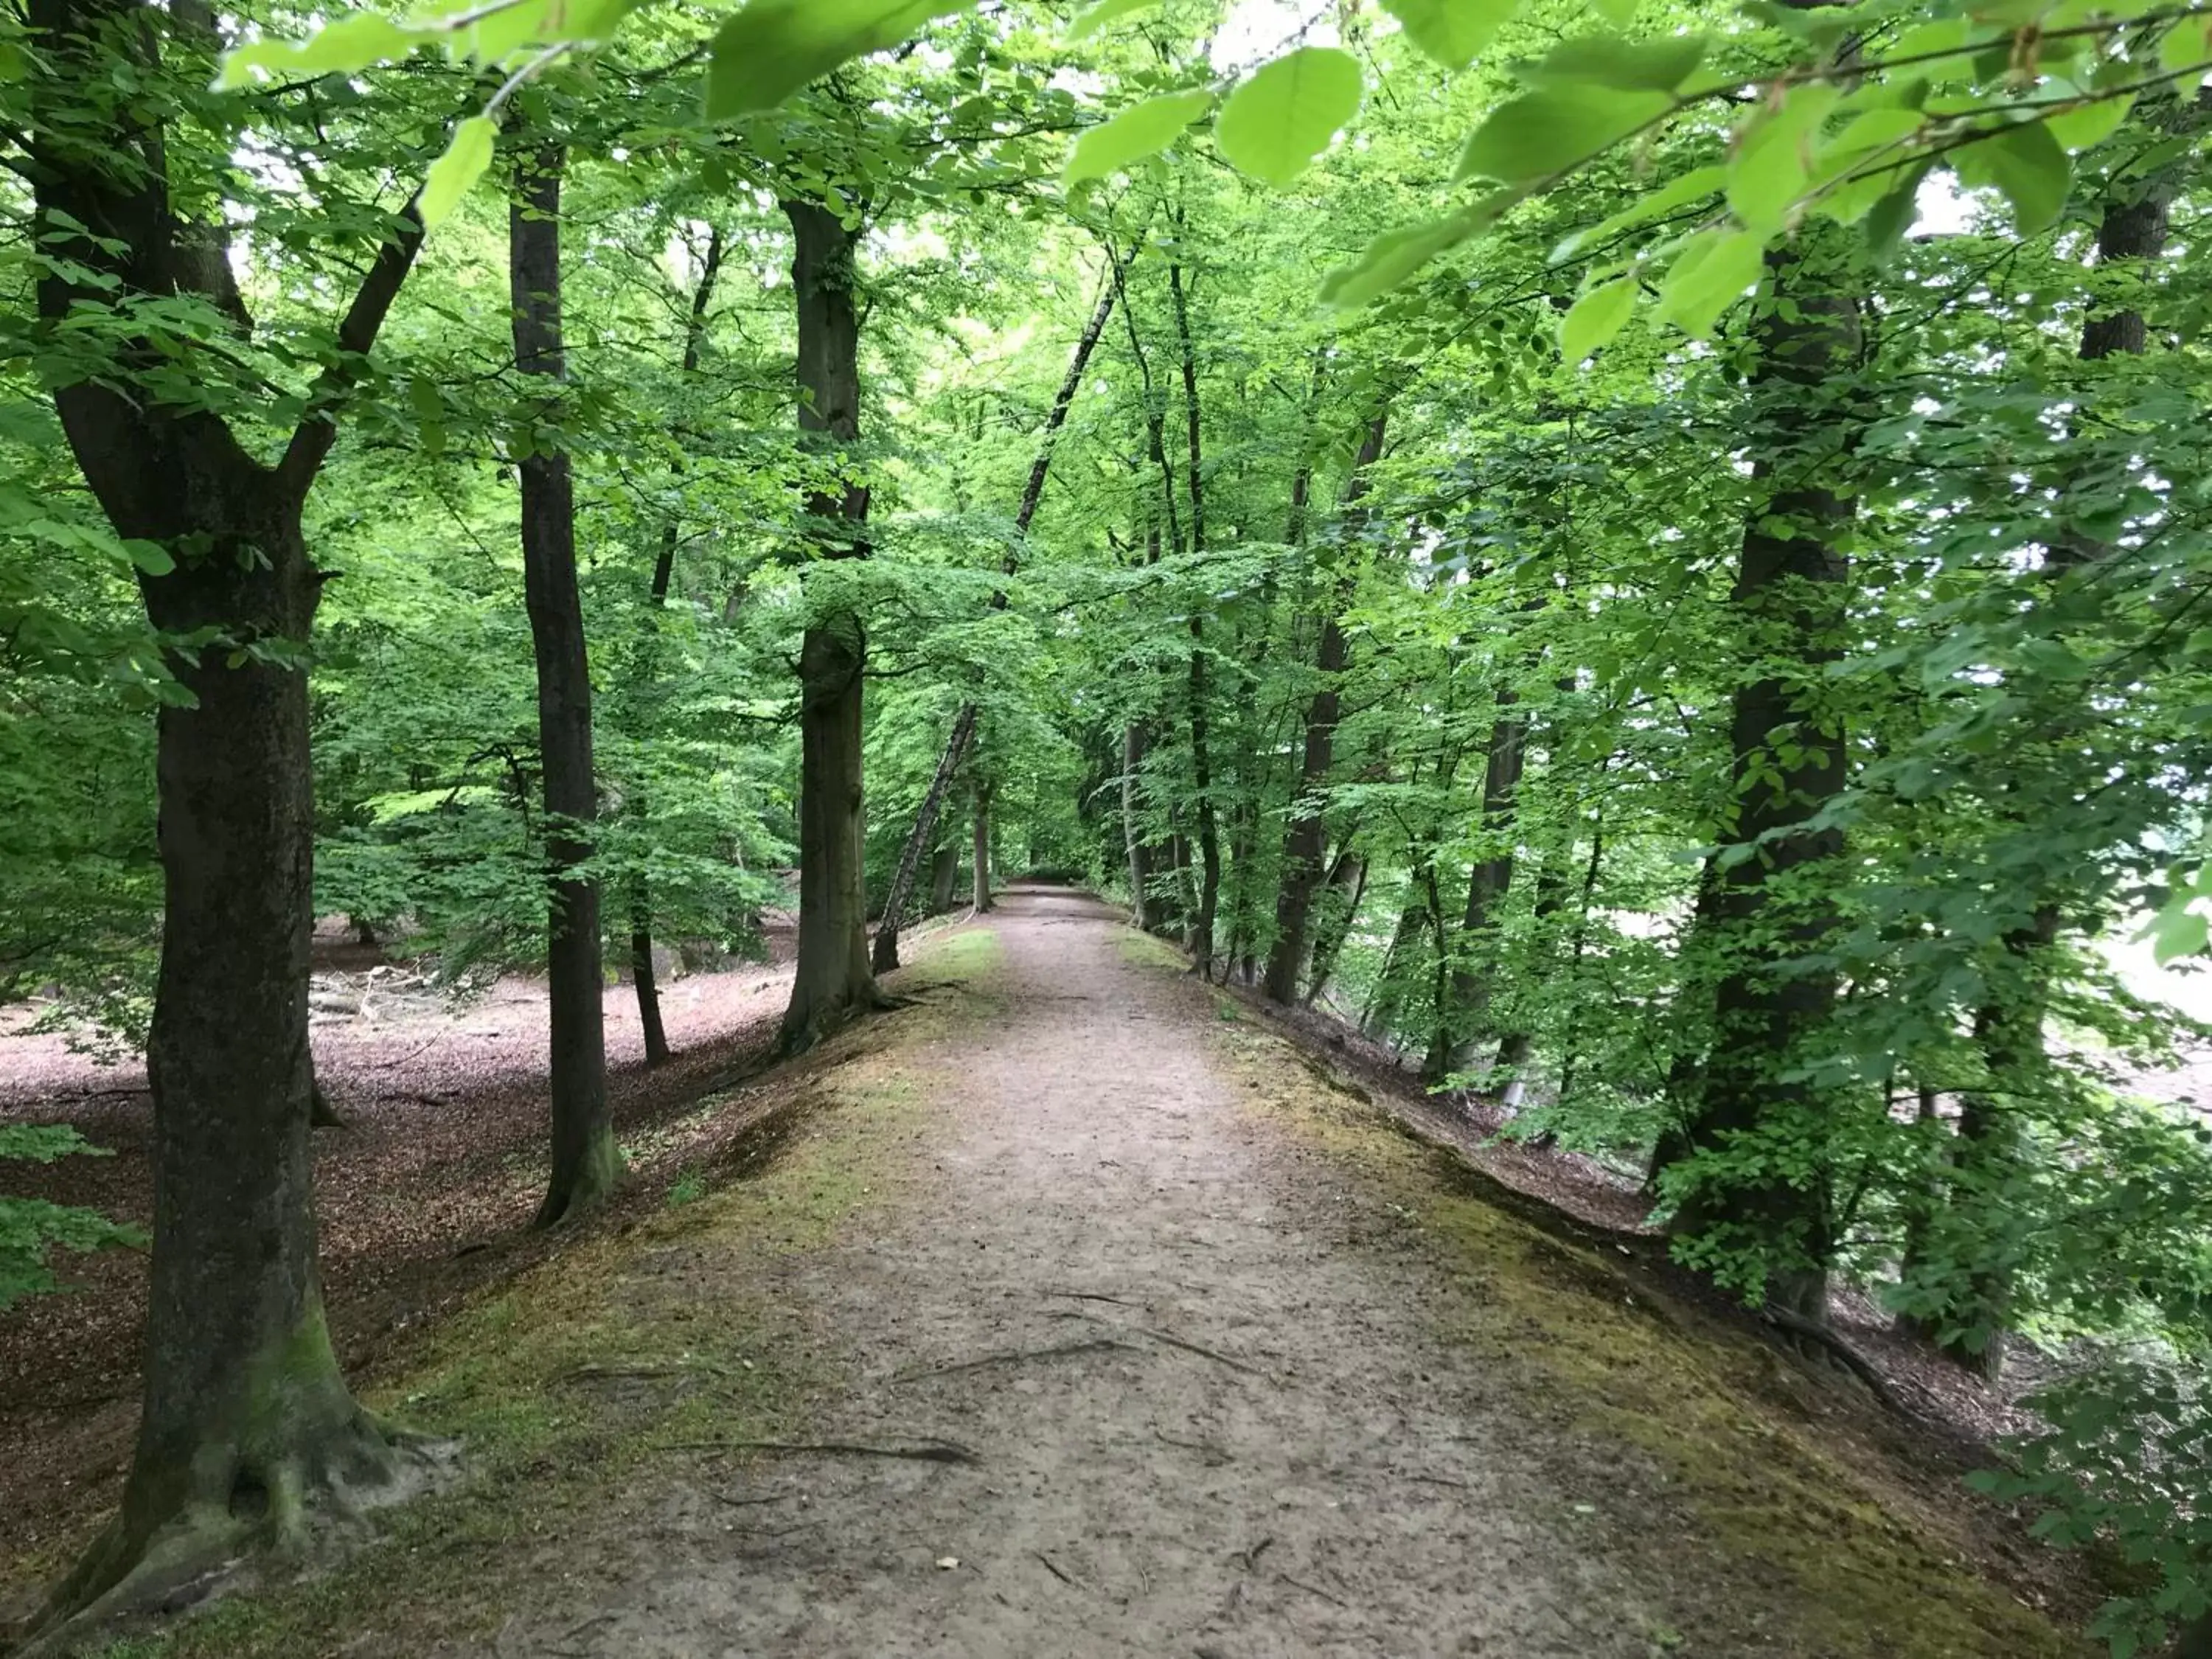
(1767, 918)
(1307, 837)
(585, 1160)
(247, 1426)
(963, 725)
(649, 670)
(943, 873)
(833, 981)
(1335, 911)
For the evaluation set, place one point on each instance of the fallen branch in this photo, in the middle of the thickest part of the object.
(936, 1451)
(1012, 1356)
(1093, 1296)
(1054, 1571)
(1197, 1348)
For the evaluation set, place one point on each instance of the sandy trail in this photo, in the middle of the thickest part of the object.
(1206, 1420)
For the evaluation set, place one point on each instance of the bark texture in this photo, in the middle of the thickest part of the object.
(1307, 837)
(248, 1428)
(1467, 995)
(1762, 916)
(833, 981)
(585, 1161)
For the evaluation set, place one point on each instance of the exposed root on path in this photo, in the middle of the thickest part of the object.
(1011, 1356)
(928, 1451)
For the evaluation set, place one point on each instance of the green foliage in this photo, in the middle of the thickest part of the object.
(30, 1228)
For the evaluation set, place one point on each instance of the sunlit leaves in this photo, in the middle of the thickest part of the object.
(772, 48)
(1658, 64)
(1773, 158)
(1451, 31)
(1397, 254)
(454, 174)
(2025, 163)
(1275, 123)
(1141, 130)
(1089, 22)
(1709, 275)
(345, 47)
(1553, 129)
(1596, 317)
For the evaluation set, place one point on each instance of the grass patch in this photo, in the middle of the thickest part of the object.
(1869, 1569)
(571, 1384)
(1143, 950)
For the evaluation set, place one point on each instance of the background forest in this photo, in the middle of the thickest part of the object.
(1652, 557)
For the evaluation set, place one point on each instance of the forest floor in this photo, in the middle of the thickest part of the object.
(1075, 1308)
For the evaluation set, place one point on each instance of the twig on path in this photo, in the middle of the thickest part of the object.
(1010, 1356)
(1094, 1296)
(934, 1451)
(1311, 1589)
(1213, 1454)
(1438, 1480)
(747, 1502)
(394, 1065)
(1197, 1348)
(1251, 1557)
(1051, 1567)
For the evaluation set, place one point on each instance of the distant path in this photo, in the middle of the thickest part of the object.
(1207, 1379)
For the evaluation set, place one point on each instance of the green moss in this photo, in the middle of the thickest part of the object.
(1143, 950)
(1872, 1572)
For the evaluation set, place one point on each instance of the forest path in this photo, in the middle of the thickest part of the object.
(1221, 1378)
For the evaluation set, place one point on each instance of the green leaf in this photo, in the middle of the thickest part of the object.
(1088, 23)
(453, 173)
(1889, 220)
(1596, 318)
(1659, 64)
(1140, 131)
(2025, 163)
(772, 48)
(345, 47)
(1275, 123)
(1451, 31)
(1397, 254)
(151, 557)
(1773, 158)
(1710, 275)
(1692, 186)
(2086, 126)
(1552, 129)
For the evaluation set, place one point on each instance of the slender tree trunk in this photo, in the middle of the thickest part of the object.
(963, 725)
(943, 871)
(1307, 837)
(1140, 874)
(585, 1161)
(1768, 912)
(1388, 998)
(247, 1425)
(1201, 759)
(1337, 909)
(1466, 996)
(664, 573)
(833, 981)
(981, 853)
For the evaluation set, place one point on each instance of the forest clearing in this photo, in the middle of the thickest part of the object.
(1232, 826)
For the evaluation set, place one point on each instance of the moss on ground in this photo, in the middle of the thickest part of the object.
(570, 1384)
(1849, 1565)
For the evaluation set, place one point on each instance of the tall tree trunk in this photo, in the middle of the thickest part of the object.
(648, 668)
(1140, 874)
(585, 1161)
(2008, 1028)
(981, 852)
(1337, 908)
(1201, 759)
(963, 725)
(833, 982)
(1459, 1018)
(1768, 912)
(247, 1425)
(1307, 836)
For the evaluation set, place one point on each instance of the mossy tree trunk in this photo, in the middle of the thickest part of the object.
(834, 981)
(247, 1426)
(585, 1161)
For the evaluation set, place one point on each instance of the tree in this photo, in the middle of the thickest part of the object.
(585, 1163)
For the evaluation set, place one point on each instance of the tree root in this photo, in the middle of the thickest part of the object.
(929, 1451)
(1853, 1361)
(1011, 1356)
(302, 1507)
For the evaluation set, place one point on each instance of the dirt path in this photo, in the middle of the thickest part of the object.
(1199, 1368)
